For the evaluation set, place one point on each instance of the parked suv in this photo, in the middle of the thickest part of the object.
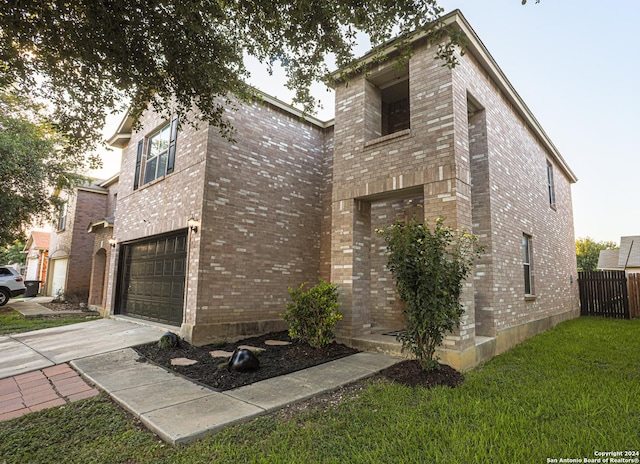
(11, 284)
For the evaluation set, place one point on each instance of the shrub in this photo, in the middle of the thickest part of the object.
(429, 268)
(313, 314)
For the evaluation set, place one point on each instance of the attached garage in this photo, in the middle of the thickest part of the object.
(58, 272)
(152, 278)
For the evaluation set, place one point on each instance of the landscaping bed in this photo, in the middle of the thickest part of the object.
(275, 360)
(278, 360)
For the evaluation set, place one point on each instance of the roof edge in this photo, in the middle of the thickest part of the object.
(475, 46)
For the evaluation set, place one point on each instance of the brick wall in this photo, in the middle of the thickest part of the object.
(510, 198)
(417, 163)
(74, 242)
(260, 205)
(262, 220)
(89, 206)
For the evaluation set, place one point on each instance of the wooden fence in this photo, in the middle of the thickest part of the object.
(633, 288)
(604, 293)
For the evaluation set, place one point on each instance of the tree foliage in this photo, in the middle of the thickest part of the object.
(89, 57)
(588, 252)
(34, 166)
(12, 253)
(429, 267)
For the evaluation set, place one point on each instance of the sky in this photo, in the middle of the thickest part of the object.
(575, 64)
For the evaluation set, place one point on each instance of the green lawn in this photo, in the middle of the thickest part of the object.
(567, 393)
(12, 322)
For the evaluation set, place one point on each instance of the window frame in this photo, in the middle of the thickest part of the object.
(150, 157)
(61, 224)
(144, 148)
(551, 188)
(527, 264)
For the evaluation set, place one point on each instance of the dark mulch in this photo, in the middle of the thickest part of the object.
(411, 374)
(275, 361)
(280, 360)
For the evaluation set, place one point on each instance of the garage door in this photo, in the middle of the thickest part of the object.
(59, 273)
(153, 277)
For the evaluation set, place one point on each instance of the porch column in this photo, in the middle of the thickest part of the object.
(351, 264)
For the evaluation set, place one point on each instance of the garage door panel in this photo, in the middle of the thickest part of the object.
(153, 279)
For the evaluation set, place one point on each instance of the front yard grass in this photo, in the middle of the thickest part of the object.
(12, 322)
(567, 393)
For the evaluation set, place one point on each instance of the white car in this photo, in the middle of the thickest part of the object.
(11, 284)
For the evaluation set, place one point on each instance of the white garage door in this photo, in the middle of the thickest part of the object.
(59, 269)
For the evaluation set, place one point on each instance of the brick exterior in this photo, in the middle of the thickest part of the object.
(74, 243)
(260, 206)
(102, 252)
(470, 157)
(291, 201)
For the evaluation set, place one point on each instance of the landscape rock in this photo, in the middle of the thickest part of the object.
(243, 360)
(183, 362)
(220, 354)
(276, 343)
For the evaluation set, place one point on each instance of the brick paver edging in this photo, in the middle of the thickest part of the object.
(46, 388)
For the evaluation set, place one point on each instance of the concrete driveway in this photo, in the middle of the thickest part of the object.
(30, 351)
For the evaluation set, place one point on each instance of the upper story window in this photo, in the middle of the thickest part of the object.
(526, 262)
(395, 108)
(157, 154)
(159, 150)
(62, 218)
(550, 186)
(387, 108)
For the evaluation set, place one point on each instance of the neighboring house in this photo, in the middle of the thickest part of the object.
(103, 244)
(627, 258)
(37, 251)
(70, 248)
(211, 233)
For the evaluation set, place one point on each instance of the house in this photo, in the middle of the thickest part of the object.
(70, 245)
(210, 233)
(37, 251)
(627, 258)
(103, 244)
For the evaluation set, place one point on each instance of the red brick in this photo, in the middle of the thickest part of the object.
(73, 389)
(83, 395)
(48, 404)
(13, 414)
(29, 377)
(43, 397)
(11, 405)
(57, 370)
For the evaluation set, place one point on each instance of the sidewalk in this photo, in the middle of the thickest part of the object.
(34, 375)
(180, 411)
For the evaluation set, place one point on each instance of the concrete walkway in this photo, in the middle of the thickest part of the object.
(175, 408)
(180, 411)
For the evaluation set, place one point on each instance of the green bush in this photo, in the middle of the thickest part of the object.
(313, 314)
(429, 267)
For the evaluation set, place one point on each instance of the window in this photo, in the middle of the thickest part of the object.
(550, 187)
(395, 108)
(62, 219)
(387, 108)
(159, 157)
(526, 262)
(157, 154)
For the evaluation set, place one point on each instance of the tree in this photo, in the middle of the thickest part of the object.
(90, 57)
(429, 267)
(11, 254)
(34, 166)
(588, 252)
